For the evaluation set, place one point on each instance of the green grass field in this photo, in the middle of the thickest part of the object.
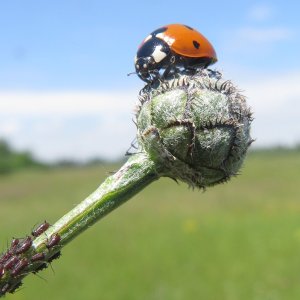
(240, 240)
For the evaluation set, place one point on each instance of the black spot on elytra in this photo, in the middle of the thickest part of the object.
(159, 30)
(189, 27)
(196, 44)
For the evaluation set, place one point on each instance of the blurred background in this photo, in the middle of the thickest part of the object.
(66, 109)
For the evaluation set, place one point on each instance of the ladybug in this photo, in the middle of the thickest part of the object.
(171, 49)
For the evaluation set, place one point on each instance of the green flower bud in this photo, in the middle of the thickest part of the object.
(195, 128)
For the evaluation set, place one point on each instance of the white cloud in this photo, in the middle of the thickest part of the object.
(261, 12)
(82, 125)
(76, 125)
(256, 41)
(275, 91)
(258, 34)
(9, 127)
(65, 103)
(263, 35)
(275, 100)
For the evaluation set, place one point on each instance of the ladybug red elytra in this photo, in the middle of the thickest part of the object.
(171, 49)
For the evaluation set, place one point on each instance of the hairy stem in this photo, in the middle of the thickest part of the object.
(30, 255)
(135, 174)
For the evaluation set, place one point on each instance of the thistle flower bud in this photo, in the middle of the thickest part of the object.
(195, 128)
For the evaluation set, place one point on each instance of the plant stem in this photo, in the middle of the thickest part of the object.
(134, 175)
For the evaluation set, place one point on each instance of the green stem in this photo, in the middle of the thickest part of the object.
(134, 175)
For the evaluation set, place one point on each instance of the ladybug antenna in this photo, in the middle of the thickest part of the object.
(131, 73)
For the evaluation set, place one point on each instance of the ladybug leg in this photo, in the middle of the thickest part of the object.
(170, 67)
(187, 68)
(152, 77)
(214, 73)
(167, 71)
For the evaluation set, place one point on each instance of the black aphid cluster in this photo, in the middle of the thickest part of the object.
(21, 259)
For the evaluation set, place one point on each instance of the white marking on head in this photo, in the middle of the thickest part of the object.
(158, 55)
(135, 59)
(166, 38)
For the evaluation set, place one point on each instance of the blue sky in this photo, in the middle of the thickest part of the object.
(63, 64)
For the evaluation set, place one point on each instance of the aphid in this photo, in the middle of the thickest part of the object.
(25, 245)
(4, 289)
(11, 262)
(14, 242)
(40, 268)
(13, 245)
(55, 256)
(40, 229)
(53, 241)
(15, 287)
(5, 257)
(38, 257)
(21, 265)
(1, 271)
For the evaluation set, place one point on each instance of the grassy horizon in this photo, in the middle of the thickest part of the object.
(239, 240)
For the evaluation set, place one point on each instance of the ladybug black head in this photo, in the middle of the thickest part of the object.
(150, 57)
(143, 67)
